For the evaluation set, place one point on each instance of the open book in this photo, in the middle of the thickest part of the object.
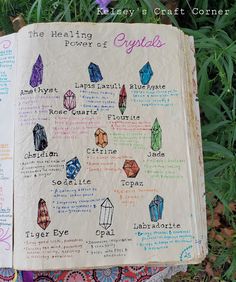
(100, 147)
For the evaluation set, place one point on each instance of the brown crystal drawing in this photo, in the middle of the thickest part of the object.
(43, 219)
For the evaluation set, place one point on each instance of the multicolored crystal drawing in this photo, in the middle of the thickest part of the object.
(101, 138)
(37, 73)
(43, 219)
(106, 214)
(122, 100)
(72, 168)
(156, 136)
(40, 137)
(69, 100)
(146, 73)
(131, 168)
(156, 208)
(94, 73)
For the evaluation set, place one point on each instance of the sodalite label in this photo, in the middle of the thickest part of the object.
(72, 168)
(40, 137)
(146, 73)
(94, 73)
(37, 73)
(156, 208)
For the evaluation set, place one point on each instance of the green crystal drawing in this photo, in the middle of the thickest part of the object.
(156, 136)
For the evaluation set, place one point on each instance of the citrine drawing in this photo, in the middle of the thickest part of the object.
(40, 138)
(37, 73)
(94, 73)
(131, 168)
(101, 138)
(146, 73)
(156, 136)
(43, 219)
(72, 168)
(122, 100)
(156, 208)
(106, 214)
(69, 100)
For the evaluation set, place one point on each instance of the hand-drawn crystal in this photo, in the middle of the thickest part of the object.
(131, 168)
(40, 138)
(37, 73)
(156, 136)
(43, 219)
(94, 73)
(101, 138)
(122, 100)
(72, 168)
(156, 208)
(69, 100)
(146, 73)
(106, 214)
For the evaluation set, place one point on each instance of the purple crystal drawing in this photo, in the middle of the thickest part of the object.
(69, 100)
(37, 73)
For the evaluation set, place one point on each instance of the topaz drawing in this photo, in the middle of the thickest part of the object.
(131, 168)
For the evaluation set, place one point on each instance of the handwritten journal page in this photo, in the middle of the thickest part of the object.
(102, 167)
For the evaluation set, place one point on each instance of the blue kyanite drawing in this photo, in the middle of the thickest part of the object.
(146, 73)
(156, 208)
(94, 73)
(37, 73)
(72, 168)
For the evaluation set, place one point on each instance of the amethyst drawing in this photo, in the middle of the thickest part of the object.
(37, 73)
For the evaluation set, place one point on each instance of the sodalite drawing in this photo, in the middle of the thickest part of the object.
(122, 100)
(156, 208)
(106, 214)
(156, 136)
(43, 219)
(146, 73)
(69, 100)
(72, 168)
(40, 137)
(37, 73)
(94, 73)
(101, 138)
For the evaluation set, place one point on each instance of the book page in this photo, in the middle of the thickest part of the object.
(102, 167)
(8, 49)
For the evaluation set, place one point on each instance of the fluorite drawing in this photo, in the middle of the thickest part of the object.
(131, 168)
(40, 137)
(101, 138)
(43, 219)
(146, 73)
(72, 168)
(122, 100)
(37, 73)
(94, 73)
(156, 136)
(156, 208)
(106, 214)
(69, 100)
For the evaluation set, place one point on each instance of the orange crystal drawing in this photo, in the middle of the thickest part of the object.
(43, 216)
(101, 138)
(131, 168)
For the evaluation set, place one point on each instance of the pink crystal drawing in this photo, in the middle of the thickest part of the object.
(69, 100)
(37, 73)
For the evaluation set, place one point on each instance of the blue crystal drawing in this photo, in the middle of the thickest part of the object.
(94, 73)
(40, 137)
(156, 208)
(72, 168)
(146, 73)
(37, 73)
(106, 214)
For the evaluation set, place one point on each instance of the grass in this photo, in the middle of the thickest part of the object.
(215, 41)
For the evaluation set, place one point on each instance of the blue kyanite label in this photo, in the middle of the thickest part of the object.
(146, 73)
(156, 208)
(72, 168)
(94, 73)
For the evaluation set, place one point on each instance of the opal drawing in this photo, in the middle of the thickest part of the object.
(72, 168)
(69, 100)
(131, 168)
(94, 73)
(146, 73)
(101, 138)
(156, 136)
(40, 137)
(156, 208)
(106, 214)
(122, 100)
(37, 73)
(43, 219)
